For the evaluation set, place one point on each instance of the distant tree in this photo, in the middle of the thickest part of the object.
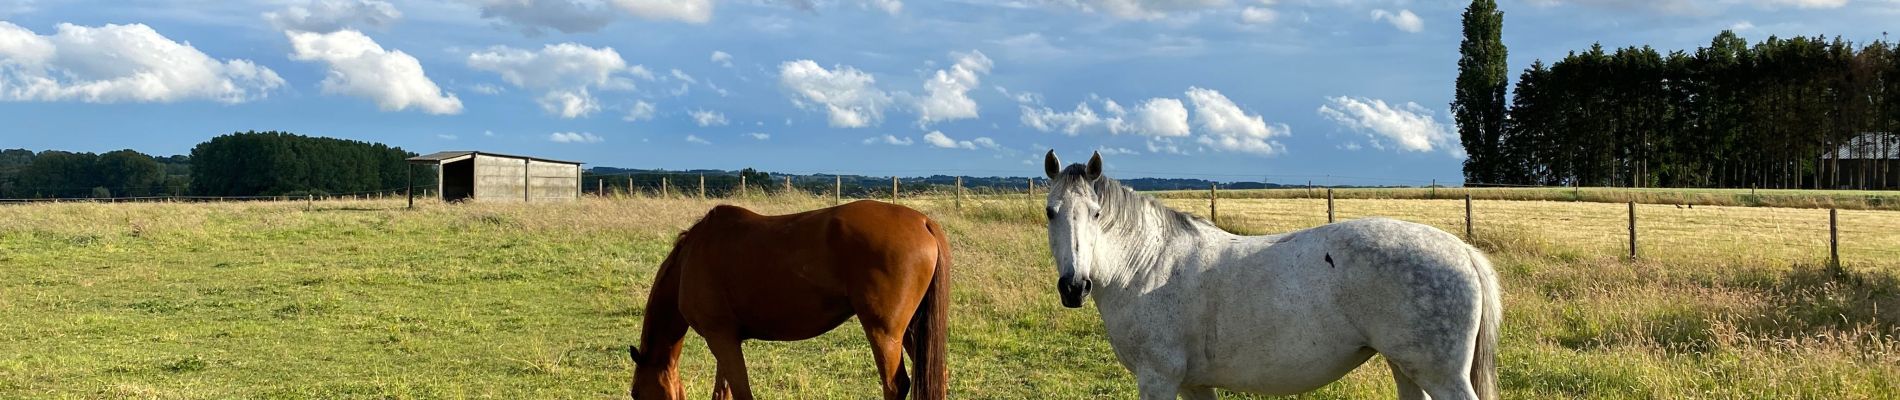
(130, 173)
(56, 173)
(1477, 103)
(275, 163)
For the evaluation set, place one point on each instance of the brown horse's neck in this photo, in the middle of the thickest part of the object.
(662, 333)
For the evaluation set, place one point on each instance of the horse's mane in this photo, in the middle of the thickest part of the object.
(1124, 204)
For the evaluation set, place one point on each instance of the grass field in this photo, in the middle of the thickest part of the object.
(362, 299)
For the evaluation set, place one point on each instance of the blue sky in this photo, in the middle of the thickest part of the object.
(1334, 91)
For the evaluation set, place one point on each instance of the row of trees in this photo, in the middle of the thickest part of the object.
(280, 163)
(122, 173)
(1804, 112)
(1779, 114)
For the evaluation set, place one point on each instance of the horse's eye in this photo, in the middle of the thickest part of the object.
(1098, 214)
(1052, 213)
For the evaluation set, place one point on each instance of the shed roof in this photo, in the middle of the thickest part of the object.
(440, 156)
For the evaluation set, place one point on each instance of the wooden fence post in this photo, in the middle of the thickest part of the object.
(1834, 241)
(702, 186)
(893, 189)
(600, 187)
(309, 201)
(1031, 184)
(741, 185)
(1213, 197)
(959, 200)
(788, 184)
(410, 191)
(1632, 205)
(629, 185)
(1468, 217)
(663, 187)
(1329, 205)
(837, 190)
(1435, 191)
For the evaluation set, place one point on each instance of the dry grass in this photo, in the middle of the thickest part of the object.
(1784, 198)
(364, 299)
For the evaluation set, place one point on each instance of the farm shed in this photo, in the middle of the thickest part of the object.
(483, 176)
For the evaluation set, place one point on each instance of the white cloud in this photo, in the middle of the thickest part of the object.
(1141, 9)
(938, 139)
(849, 96)
(707, 118)
(641, 111)
(445, 136)
(1405, 20)
(682, 76)
(1258, 15)
(1742, 26)
(689, 11)
(1411, 127)
(1155, 117)
(1069, 123)
(888, 139)
(488, 133)
(360, 67)
(987, 143)
(1224, 126)
(759, 135)
(120, 63)
(1810, 4)
(1115, 151)
(333, 15)
(947, 92)
(1159, 116)
(724, 59)
(574, 137)
(531, 17)
(696, 139)
(484, 88)
(1164, 145)
(565, 73)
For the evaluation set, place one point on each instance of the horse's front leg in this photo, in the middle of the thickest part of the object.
(731, 383)
(1160, 375)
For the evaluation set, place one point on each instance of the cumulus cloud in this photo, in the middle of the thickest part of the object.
(1159, 116)
(1258, 15)
(707, 118)
(888, 139)
(574, 137)
(849, 97)
(1141, 9)
(532, 17)
(1809, 4)
(724, 59)
(1405, 20)
(565, 73)
(759, 135)
(1410, 127)
(360, 67)
(334, 15)
(1115, 151)
(696, 139)
(120, 63)
(1226, 127)
(938, 139)
(641, 111)
(1155, 117)
(689, 11)
(947, 93)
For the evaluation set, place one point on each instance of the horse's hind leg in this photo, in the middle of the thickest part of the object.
(1408, 390)
(887, 349)
(731, 383)
(1443, 378)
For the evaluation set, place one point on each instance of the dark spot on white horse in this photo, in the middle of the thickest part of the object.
(1329, 260)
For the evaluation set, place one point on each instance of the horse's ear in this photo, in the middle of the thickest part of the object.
(1095, 167)
(634, 353)
(1051, 166)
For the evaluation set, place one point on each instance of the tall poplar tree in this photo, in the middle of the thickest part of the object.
(1478, 104)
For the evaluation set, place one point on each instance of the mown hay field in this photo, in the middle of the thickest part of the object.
(365, 299)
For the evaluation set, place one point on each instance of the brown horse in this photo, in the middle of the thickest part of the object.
(738, 275)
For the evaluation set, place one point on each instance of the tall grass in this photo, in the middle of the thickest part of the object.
(1783, 198)
(364, 299)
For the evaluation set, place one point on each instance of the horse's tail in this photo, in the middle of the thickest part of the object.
(928, 328)
(1484, 363)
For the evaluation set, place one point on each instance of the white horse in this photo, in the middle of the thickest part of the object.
(1190, 307)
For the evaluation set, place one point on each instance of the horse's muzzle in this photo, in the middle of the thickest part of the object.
(1073, 290)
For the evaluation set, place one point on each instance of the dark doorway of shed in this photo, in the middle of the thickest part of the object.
(458, 180)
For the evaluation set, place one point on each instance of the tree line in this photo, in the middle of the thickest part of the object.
(120, 173)
(238, 164)
(1802, 112)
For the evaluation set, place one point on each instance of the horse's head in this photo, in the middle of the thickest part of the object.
(654, 382)
(1075, 224)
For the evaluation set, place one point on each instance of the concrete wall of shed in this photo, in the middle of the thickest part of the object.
(506, 179)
